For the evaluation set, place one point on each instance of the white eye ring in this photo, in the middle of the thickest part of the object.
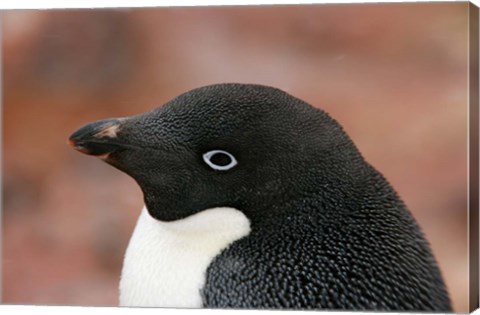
(207, 156)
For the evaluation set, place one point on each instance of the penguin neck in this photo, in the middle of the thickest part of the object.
(311, 201)
(165, 262)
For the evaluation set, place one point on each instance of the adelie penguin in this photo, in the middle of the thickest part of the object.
(255, 199)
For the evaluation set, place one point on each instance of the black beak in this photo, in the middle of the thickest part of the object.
(97, 138)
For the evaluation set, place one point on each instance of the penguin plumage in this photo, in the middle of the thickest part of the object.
(288, 213)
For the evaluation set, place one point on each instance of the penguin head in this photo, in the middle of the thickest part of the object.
(248, 147)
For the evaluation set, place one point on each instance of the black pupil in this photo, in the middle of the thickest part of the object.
(220, 159)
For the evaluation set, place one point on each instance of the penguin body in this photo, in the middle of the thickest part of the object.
(255, 199)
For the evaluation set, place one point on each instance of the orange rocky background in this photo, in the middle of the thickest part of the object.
(394, 75)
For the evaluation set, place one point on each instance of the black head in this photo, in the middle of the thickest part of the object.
(249, 147)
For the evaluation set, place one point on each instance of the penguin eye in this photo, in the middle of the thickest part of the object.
(219, 160)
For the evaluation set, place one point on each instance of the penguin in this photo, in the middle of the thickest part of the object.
(255, 199)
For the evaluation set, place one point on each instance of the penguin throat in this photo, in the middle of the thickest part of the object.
(166, 262)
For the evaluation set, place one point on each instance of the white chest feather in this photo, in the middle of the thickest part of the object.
(165, 262)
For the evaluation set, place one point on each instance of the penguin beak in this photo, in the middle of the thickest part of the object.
(98, 138)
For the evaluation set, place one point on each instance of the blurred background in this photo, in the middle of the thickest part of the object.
(394, 75)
